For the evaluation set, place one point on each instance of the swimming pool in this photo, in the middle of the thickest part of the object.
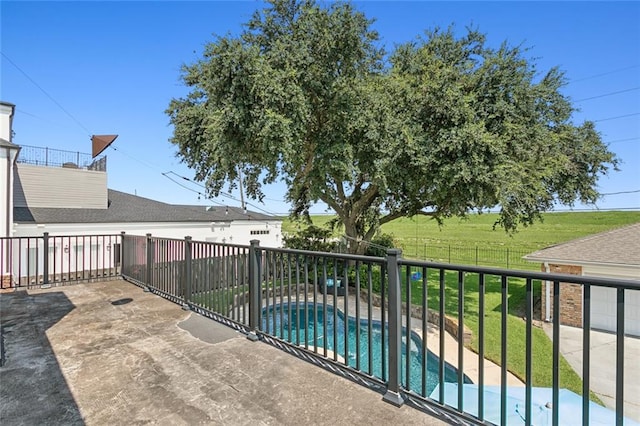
(295, 323)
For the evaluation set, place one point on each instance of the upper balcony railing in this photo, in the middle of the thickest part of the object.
(49, 157)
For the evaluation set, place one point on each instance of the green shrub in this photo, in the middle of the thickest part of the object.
(376, 278)
(313, 238)
(380, 244)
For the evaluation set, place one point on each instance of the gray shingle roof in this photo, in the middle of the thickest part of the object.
(618, 246)
(231, 213)
(125, 207)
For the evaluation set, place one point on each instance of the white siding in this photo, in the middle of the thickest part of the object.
(6, 194)
(239, 232)
(58, 187)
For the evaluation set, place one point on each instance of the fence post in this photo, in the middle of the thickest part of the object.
(45, 255)
(476, 255)
(395, 329)
(449, 253)
(122, 254)
(255, 260)
(147, 269)
(507, 257)
(187, 273)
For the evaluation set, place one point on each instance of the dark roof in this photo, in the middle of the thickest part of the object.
(619, 246)
(231, 213)
(123, 207)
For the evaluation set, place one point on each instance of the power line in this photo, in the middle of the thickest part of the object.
(634, 191)
(224, 194)
(617, 117)
(608, 94)
(144, 163)
(165, 174)
(623, 140)
(46, 93)
(606, 73)
(191, 189)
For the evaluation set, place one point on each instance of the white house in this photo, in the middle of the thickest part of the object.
(8, 155)
(611, 254)
(65, 194)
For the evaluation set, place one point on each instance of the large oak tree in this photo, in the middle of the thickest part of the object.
(441, 126)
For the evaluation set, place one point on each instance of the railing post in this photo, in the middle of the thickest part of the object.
(395, 329)
(122, 254)
(187, 273)
(147, 278)
(45, 255)
(255, 260)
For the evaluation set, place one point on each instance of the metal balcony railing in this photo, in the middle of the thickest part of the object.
(385, 322)
(52, 260)
(48, 157)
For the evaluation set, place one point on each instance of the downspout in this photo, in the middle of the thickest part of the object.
(547, 295)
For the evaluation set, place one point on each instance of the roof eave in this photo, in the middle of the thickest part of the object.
(578, 262)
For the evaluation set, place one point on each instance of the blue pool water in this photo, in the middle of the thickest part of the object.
(295, 323)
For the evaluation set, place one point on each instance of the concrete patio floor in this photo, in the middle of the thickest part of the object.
(108, 353)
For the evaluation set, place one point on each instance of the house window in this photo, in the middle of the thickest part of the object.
(259, 232)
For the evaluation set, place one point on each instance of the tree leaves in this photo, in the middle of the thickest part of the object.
(443, 126)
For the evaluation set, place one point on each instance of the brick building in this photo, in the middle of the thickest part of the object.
(613, 254)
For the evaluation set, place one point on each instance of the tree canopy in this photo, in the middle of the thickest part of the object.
(443, 125)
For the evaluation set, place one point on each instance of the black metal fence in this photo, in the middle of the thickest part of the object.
(473, 254)
(46, 260)
(372, 319)
(49, 157)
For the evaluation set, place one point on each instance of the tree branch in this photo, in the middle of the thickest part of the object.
(398, 214)
(332, 203)
(339, 189)
(366, 199)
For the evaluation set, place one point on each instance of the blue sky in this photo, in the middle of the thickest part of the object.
(114, 67)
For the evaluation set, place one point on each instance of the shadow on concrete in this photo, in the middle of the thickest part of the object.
(33, 386)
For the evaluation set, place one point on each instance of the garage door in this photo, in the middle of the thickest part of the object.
(603, 310)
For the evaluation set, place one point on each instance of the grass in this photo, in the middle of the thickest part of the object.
(516, 327)
(478, 229)
(474, 240)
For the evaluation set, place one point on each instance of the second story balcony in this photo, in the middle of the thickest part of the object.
(49, 157)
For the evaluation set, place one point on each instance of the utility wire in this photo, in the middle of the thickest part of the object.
(224, 194)
(191, 189)
(623, 140)
(144, 163)
(634, 191)
(608, 94)
(165, 174)
(46, 93)
(617, 117)
(605, 73)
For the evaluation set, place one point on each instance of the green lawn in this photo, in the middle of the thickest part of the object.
(516, 326)
(474, 241)
(555, 228)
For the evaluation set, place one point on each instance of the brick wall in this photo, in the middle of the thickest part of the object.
(5, 281)
(570, 296)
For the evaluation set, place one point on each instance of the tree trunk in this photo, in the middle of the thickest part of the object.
(355, 244)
